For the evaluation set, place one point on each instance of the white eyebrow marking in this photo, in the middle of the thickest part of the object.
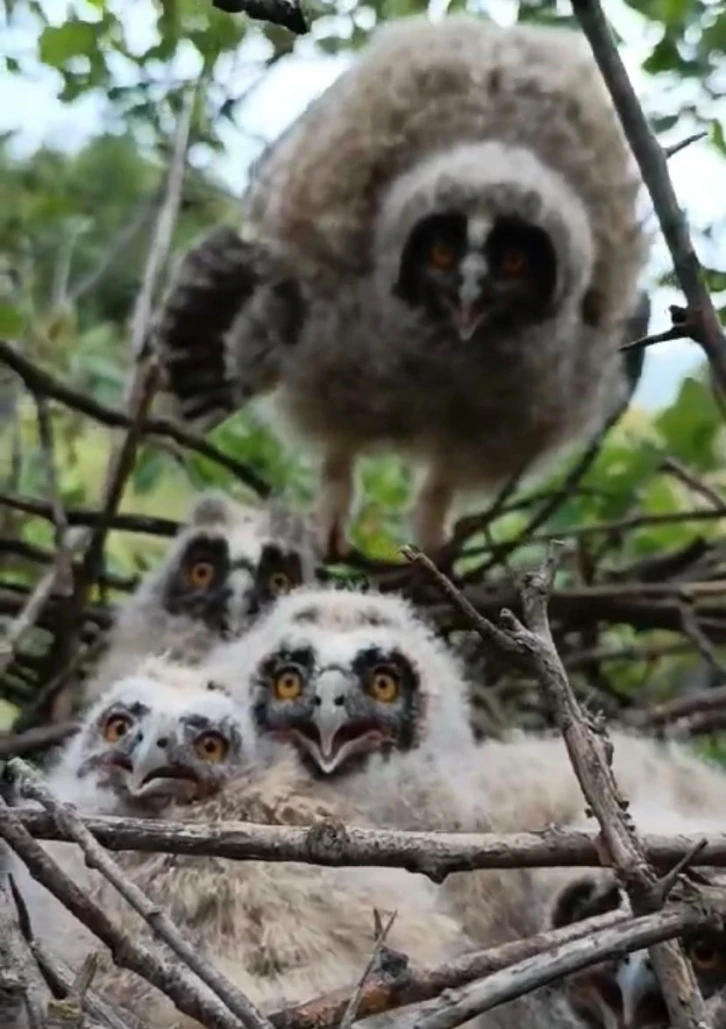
(477, 230)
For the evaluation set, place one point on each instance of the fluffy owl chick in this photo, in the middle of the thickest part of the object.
(455, 284)
(282, 932)
(162, 735)
(227, 564)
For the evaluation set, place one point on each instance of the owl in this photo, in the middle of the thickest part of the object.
(375, 707)
(454, 285)
(626, 992)
(228, 563)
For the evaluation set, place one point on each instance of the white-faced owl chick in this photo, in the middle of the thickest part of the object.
(376, 709)
(455, 285)
(625, 993)
(160, 736)
(227, 564)
(282, 932)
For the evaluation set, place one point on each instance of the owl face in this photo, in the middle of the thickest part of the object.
(337, 701)
(626, 992)
(469, 271)
(150, 742)
(221, 580)
(344, 676)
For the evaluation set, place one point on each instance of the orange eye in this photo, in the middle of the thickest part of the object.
(514, 261)
(279, 583)
(704, 955)
(201, 574)
(211, 747)
(384, 686)
(441, 255)
(116, 726)
(288, 685)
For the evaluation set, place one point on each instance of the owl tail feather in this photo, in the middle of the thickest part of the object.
(211, 285)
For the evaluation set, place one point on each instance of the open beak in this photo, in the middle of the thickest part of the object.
(333, 736)
(468, 317)
(153, 772)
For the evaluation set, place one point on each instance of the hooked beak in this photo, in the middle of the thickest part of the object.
(637, 982)
(467, 318)
(335, 736)
(153, 773)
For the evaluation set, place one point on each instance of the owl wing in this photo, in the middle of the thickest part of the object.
(229, 311)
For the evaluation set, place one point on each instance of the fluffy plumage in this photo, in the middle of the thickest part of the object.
(472, 251)
(402, 749)
(227, 564)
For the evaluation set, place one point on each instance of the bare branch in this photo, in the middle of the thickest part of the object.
(704, 322)
(173, 979)
(160, 923)
(148, 524)
(351, 1011)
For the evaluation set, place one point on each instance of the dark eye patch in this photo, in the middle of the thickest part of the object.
(447, 228)
(411, 699)
(540, 273)
(208, 602)
(276, 561)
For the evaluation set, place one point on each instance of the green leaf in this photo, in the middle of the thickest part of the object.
(690, 425)
(12, 322)
(59, 44)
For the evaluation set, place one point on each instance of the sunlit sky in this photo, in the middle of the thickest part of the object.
(29, 106)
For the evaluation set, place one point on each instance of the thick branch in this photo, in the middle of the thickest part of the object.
(96, 857)
(435, 854)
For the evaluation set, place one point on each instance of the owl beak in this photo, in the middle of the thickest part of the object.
(467, 318)
(153, 771)
(336, 736)
(637, 983)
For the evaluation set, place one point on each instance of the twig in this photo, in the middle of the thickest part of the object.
(160, 923)
(676, 469)
(148, 524)
(693, 631)
(675, 332)
(42, 382)
(287, 13)
(61, 980)
(60, 522)
(591, 763)
(681, 707)
(351, 1011)
(172, 979)
(675, 148)
(20, 984)
(434, 854)
(34, 740)
(31, 612)
(457, 1006)
(704, 323)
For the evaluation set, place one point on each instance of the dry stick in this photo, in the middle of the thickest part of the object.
(172, 978)
(681, 707)
(457, 1006)
(160, 923)
(417, 985)
(60, 522)
(705, 326)
(153, 526)
(61, 981)
(42, 382)
(693, 631)
(352, 1009)
(24, 743)
(675, 148)
(33, 607)
(20, 984)
(434, 854)
(678, 471)
(592, 766)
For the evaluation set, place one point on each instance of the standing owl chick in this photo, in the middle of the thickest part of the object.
(455, 284)
(227, 564)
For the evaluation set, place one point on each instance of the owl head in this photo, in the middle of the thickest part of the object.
(344, 676)
(164, 733)
(230, 561)
(626, 992)
(484, 238)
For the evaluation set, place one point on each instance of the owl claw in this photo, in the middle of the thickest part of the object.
(336, 544)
